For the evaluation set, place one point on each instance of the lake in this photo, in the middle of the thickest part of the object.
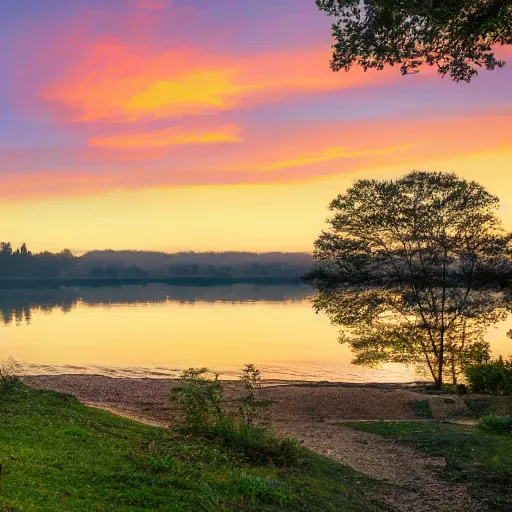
(157, 330)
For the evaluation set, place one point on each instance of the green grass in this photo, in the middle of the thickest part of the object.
(479, 407)
(421, 408)
(482, 461)
(59, 456)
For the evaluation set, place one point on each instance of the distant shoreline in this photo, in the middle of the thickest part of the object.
(16, 283)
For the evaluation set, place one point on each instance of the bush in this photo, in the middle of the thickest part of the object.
(9, 379)
(200, 398)
(251, 409)
(494, 377)
(240, 429)
(501, 425)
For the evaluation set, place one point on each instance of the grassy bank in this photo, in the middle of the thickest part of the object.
(480, 460)
(58, 455)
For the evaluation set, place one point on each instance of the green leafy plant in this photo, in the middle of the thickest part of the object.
(242, 428)
(200, 397)
(493, 377)
(251, 408)
(493, 424)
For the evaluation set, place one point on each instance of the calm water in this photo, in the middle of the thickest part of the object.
(157, 330)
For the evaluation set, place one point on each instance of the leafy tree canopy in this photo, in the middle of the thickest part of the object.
(414, 270)
(456, 36)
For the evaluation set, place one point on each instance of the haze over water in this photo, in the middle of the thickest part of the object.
(157, 330)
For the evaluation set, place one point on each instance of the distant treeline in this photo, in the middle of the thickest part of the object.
(216, 267)
(22, 263)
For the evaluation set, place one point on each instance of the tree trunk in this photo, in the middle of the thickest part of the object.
(439, 380)
(454, 373)
(437, 384)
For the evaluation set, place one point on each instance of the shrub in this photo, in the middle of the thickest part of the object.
(494, 377)
(9, 379)
(202, 401)
(496, 424)
(200, 398)
(251, 408)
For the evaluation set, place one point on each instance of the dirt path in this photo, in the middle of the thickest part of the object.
(416, 487)
(308, 414)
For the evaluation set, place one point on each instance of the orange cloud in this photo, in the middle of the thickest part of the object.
(191, 93)
(325, 155)
(291, 154)
(168, 137)
(121, 83)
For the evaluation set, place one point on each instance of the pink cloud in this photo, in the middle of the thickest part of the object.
(299, 155)
(168, 137)
(115, 82)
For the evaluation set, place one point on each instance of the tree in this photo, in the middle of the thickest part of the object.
(414, 270)
(5, 248)
(456, 36)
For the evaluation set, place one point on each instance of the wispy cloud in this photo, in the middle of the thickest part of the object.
(138, 161)
(168, 137)
(326, 155)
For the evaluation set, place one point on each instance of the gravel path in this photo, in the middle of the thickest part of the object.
(416, 487)
(309, 414)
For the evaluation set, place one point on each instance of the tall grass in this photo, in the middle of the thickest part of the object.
(9, 376)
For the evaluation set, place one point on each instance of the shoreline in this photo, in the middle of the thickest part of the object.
(294, 402)
(266, 383)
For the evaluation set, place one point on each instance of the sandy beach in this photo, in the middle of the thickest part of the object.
(149, 399)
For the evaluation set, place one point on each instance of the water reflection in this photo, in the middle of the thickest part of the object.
(18, 306)
(158, 330)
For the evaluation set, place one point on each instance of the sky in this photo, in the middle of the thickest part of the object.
(199, 125)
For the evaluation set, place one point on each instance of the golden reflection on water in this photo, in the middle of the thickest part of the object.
(286, 338)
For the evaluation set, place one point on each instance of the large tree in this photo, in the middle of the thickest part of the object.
(456, 36)
(414, 270)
